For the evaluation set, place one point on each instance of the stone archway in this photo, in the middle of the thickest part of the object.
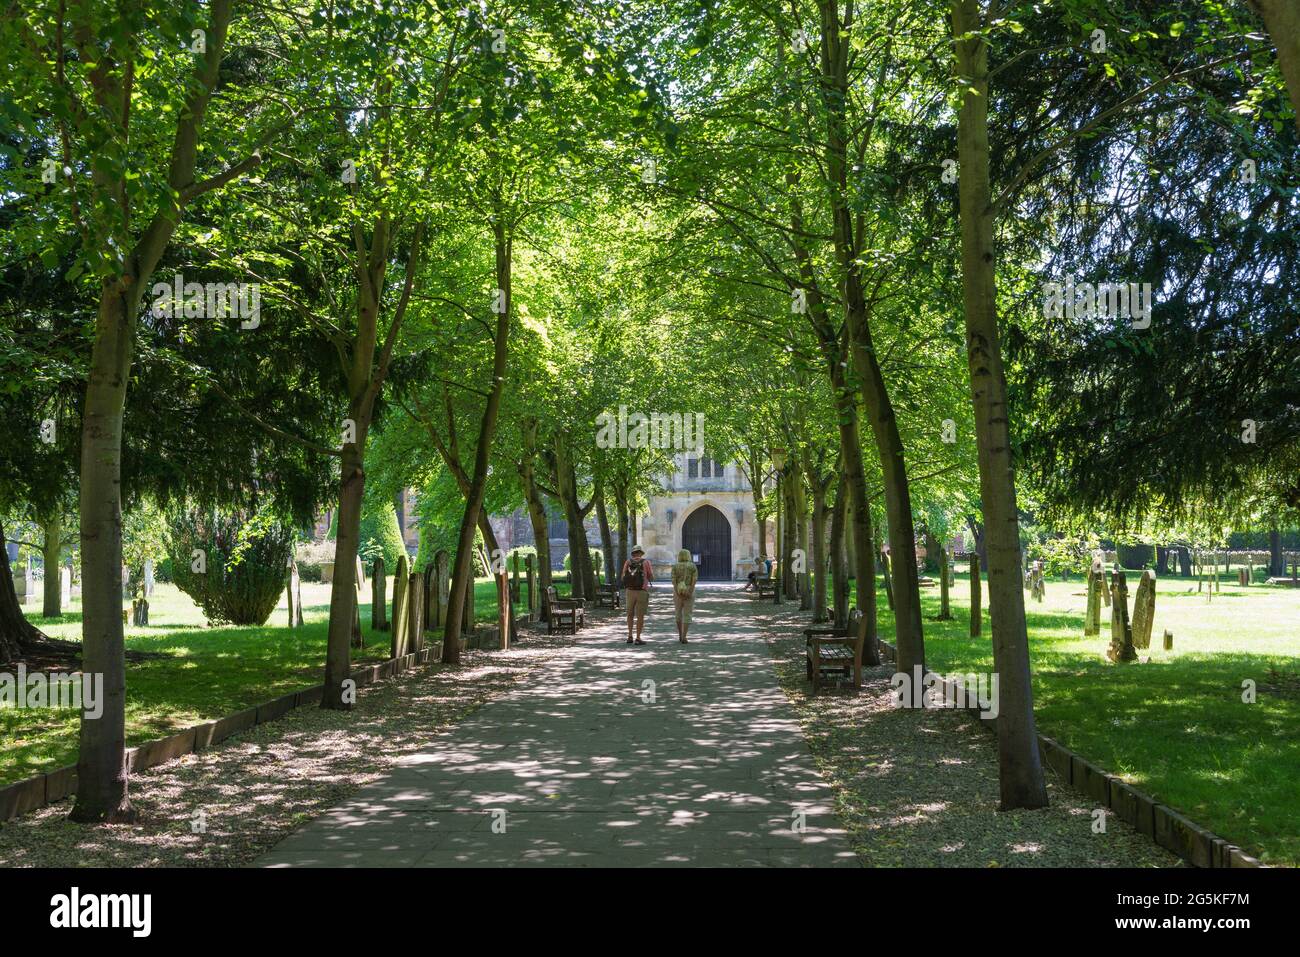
(706, 533)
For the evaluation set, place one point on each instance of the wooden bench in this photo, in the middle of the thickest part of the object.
(562, 610)
(607, 595)
(836, 650)
(765, 588)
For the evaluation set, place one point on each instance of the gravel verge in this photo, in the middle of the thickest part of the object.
(919, 788)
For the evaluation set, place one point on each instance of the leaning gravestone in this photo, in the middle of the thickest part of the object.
(399, 645)
(414, 622)
(441, 592)
(1121, 632)
(65, 587)
(148, 577)
(378, 596)
(1144, 610)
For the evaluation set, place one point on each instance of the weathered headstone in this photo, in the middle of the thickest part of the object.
(65, 587)
(440, 574)
(414, 621)
(148, 577)
(361, 573)
(24, 586)
(140, 612)
(399, 645)
(1092, 615)
(945, 613)
(1121, 633)
(503, 610)
(1144, 610)
(1169, 640)
(975, 602)
(531, 574)
(378, 596)
(1037, 583)
(293, 598)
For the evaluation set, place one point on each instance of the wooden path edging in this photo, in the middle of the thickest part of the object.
(44, 789)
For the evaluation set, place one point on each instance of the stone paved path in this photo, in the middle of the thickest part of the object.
(579, 767)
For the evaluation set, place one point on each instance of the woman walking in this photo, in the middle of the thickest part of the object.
(685, 575)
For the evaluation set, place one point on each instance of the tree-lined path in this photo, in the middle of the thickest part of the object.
(589, 771)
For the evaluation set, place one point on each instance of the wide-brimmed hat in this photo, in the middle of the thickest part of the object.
(637, 548)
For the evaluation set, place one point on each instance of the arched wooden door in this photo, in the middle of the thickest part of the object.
(707, 536)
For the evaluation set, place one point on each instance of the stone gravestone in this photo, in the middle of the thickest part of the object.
(531, 575)
(294, 600)
(148, 577)
(378, 596)
(503, 610)
(1144, 610)
(65, 587)
(1121, 632)
(24, 586)
(414, 620)
(140, 612)
(945, 579)
(441, 574)
(399, 645)
(429, 613)
(1092, 616)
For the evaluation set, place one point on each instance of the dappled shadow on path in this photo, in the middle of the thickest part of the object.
(618, 755)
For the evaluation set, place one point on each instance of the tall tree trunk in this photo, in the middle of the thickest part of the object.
(462, 573)
(620, 507)
(606, 538)
(839, 553)
(16, 632)
(977, 534)
(52, 554)
(1282, 21)
(1276, 560)
(536, 505)
(801, 542)
(566, 482)
(789, 531)
(344, 588)
(1020, 773)
(756, 493)
(819, 558)
(101, 764)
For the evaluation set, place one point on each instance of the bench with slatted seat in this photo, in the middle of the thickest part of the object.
(835, 651)
(764, 588)
(564, 612)
(607, 596)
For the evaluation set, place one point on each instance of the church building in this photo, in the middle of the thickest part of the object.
(708, 508)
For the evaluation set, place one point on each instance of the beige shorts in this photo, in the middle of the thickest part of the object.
(638, 599)
(685, 605)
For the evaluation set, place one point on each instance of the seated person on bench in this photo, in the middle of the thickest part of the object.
(754, 576)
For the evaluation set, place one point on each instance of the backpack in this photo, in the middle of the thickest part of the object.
(634, 574)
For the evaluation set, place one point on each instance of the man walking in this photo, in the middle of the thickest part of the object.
(636, 578)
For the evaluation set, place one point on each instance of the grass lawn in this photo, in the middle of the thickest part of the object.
(209, 672)
(1174, 726)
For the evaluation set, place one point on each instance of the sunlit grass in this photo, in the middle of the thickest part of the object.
(207, 672)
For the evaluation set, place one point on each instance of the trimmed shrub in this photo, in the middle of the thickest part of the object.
(247, 563)
(381, 535)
